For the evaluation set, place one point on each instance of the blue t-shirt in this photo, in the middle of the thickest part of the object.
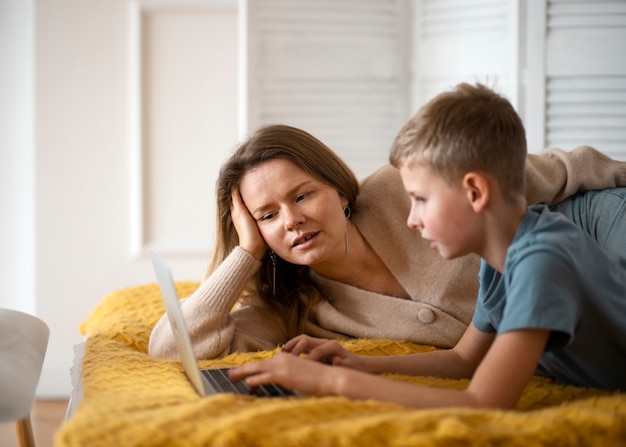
(557, 277)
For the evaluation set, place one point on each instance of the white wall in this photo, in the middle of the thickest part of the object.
(81, 171)
(17, 147)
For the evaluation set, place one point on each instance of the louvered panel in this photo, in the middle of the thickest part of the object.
(336, 68)
(465, 41)
(332, 102)
(354, 117)
(589, 51)
(449, 17)
(587, 110)
(431, 86)
(586, 14)
(585, 77)
(328, 19)
(328, 59)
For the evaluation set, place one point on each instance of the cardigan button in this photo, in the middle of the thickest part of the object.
(426, 316)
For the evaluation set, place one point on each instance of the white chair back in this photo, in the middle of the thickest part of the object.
(23, 344)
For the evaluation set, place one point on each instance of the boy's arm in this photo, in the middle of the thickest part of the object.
(498, 381)
(459, 362)
(553, 174)
(508, 367)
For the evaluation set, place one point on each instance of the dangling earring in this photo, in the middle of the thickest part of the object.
(348, 214)
(273, 258)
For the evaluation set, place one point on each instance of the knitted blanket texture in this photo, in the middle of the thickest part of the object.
(131, 399)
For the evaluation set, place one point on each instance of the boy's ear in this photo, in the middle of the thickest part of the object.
(477, 189)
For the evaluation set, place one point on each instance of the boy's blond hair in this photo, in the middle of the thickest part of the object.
(470, 128)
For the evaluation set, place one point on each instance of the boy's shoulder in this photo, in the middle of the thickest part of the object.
(542, 228)
(541, 219)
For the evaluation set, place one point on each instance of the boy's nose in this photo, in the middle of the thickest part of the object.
(414, 221)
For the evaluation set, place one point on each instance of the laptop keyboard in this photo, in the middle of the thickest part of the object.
(218, 378)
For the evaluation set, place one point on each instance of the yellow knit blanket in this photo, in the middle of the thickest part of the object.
(130, 399)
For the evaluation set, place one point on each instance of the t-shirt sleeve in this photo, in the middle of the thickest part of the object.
(542, 293)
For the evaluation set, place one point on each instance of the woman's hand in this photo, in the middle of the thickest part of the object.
(295, 373)
(250, 238)
(323, 350)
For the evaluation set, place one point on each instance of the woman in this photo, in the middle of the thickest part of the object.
(303, 248)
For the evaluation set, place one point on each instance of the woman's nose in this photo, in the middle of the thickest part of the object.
(292, 218)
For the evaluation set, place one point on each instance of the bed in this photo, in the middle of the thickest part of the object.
(123, 397)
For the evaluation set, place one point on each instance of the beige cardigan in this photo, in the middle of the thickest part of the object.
(442, 292)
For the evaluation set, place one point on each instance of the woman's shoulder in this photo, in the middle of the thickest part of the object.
(382, 188)
(383, 177)
(381, 209)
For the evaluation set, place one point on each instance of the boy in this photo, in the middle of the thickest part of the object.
(551, 300)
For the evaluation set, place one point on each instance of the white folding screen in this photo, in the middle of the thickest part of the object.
(336, 68)
(585, 80)
(560, 62)
(465, 41)
(351, 72)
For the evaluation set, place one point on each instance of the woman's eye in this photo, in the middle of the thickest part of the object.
(267, 217)
(301, 197)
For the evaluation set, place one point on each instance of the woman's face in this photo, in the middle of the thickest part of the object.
(300, 217)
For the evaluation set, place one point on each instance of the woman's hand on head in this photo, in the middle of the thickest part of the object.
(324, 351)
(250, 238)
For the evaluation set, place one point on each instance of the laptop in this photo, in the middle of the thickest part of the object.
(207, 382)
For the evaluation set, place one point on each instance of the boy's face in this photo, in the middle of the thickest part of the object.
(441, 212)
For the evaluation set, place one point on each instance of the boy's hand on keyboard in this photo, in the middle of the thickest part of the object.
(292, 372)
(324, 351)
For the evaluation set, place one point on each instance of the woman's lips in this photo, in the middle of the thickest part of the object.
(304, 240)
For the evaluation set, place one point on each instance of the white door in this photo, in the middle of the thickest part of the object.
(136, 107)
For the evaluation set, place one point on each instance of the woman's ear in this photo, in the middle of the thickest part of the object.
(477, 189)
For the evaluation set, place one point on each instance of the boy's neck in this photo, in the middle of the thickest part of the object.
(502, 220)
